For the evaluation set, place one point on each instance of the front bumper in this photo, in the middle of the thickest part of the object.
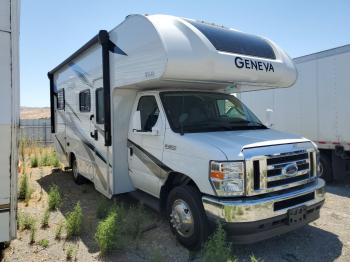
(256, 218)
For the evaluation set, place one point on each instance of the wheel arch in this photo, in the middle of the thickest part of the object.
(174, 179)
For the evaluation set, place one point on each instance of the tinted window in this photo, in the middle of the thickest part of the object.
(100, 109)
(149, 112)
(84, 101)
(231, 41)
(60, 99)
(207, 112)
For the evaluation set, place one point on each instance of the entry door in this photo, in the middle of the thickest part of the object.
(101, 152)
(146, 146)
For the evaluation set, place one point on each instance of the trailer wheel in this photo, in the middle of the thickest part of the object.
(186, 217)
(78, 179)
(325, 168)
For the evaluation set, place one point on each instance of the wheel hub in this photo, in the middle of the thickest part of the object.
(181, 218)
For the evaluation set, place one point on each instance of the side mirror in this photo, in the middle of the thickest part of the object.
(136, 121)
(269, 122)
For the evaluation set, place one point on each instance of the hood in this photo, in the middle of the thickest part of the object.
(231, 143)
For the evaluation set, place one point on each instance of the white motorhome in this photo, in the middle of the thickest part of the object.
(146, 108)
(316, 106)
(9, 118)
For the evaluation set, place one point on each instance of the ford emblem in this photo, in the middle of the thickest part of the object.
(290, 169)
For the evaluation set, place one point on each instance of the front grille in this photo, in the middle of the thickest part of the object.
(278, 171)
(276, 164)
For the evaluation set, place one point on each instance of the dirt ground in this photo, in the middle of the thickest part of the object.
(35, 112)
(327, 239)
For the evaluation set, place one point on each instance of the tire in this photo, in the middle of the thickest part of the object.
(191, 235)
(78, 179)
(325, 168)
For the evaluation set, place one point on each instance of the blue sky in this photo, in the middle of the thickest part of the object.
(52, 30)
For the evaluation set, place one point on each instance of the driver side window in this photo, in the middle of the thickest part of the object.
(149, 112)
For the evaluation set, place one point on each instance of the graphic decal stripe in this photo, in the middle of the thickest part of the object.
(155, 160)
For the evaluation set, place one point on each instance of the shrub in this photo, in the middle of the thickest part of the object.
(45, 219)
(32, 234)
(54, 198)
(216, 248)
(44, 243)
(34, 162)
(54, 160)
(59, 230)
(134, 222)
(108, 234)
(25, 221)
(23, 187)
(70, 253)
(74, 221)
(45, 159)
(255, 259)
(103, 208)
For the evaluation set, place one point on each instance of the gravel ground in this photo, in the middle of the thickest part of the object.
(327, 239)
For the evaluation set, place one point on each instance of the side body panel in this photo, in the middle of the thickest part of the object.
(9, 118)
(76, 125)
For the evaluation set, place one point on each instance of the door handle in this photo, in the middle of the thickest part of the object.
(94, 135)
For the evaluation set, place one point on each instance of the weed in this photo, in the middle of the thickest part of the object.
(34, 162)
(134, 222)
(45, 159)
(108, 233)
(54, 198)
(32, 234)
(103, 208)
(156, 256)
(45, 219)
(23, 187)
(59, 230)
(74, 221)
(255, 259)
(54, 160)
(70, 253)
(25, 221)
(44, 243)
(216, 248)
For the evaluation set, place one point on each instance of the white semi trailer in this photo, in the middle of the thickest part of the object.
(146, 108)
(9, 117)
(316, 107)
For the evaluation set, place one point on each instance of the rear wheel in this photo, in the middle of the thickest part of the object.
(325, 168)
(186, 217)
(78, 179)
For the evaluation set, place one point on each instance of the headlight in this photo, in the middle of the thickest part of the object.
(227, 178)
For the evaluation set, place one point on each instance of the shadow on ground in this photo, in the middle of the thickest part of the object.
(308, 243)
(340, 188)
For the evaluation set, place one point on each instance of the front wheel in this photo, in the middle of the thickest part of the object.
(186, 216)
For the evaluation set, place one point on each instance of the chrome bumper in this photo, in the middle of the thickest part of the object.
(256, 209)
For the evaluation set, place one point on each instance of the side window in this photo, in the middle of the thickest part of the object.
(149, 112)
(84, 101)
(60, 99)
(100, 108)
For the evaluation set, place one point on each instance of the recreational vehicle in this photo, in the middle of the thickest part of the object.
(320, 110)
(9, 117)
(146, 108)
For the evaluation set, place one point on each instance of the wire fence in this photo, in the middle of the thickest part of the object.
(38, 130)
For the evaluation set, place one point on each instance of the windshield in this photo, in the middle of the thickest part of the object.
(189, 112)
